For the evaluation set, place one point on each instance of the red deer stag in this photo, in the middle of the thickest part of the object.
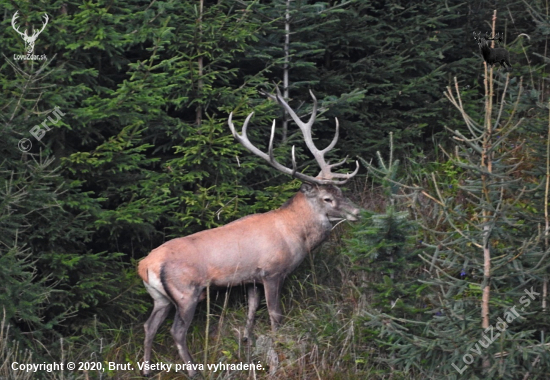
(256, 249)
(493, 55)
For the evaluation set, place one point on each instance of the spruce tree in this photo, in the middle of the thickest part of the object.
(483, 265)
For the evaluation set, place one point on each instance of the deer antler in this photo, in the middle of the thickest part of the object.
(325, 177)
(16, 28)
(46, 19)
(498, 37)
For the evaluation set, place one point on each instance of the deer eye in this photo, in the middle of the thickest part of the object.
(328, 200)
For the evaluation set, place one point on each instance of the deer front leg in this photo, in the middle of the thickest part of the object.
(272, 289)
(253, 303)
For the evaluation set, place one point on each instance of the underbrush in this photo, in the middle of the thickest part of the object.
(321, 336)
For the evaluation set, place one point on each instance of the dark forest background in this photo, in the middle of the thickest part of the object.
(456, 199)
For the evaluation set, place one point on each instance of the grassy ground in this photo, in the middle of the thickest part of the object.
(318, 338)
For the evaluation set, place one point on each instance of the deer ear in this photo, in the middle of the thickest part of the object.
(308, 189)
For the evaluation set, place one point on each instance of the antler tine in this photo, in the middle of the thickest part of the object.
(295, 117)
(347, 176)
(304, 127)
(271, 138)
(334, 140)
(306, 132)
(294, 166)
(272, 156)
(338, 163)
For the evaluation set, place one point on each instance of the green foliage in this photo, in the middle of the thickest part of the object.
(382, 248)
(22, 294)
(383, 236)
(479, 256)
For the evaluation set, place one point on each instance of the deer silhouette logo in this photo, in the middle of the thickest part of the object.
(29, 40)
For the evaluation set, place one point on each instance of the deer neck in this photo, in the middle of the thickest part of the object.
(485, 50)
(309, 226)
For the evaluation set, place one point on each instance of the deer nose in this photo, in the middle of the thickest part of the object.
(353, 214)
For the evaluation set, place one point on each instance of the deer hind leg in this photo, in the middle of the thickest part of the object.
(273, 289)
(253, 303)
(185, 309)
(161, 308)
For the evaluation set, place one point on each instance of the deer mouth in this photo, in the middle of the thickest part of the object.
(352, 218)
